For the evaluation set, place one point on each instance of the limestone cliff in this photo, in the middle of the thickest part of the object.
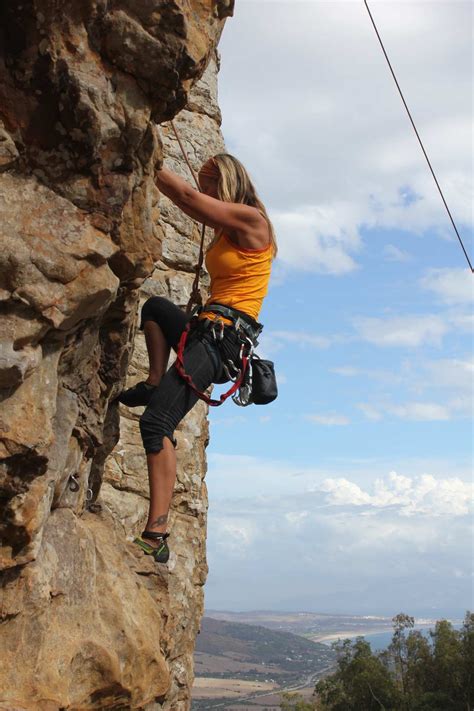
(87, 621)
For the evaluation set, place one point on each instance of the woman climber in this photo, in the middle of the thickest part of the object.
(239, 263)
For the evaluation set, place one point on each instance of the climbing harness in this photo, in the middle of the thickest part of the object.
(419, 139)
(234, 371)
(253, 378)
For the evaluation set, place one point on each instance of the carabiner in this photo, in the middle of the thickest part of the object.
(73, 483)
(218, 323)
(235, 377)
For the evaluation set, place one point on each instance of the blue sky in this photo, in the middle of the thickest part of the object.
(351, 492)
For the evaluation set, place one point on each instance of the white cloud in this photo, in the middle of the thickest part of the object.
(274, 341)
(235, 534)
(447, 382)
(423, 411)
(393, 253)
(227, 420)
(377, 539)
(342, 491)
(313, 238)
(328, 158)
(346, 371)
(389, 542)
(452, 286)
(460, 406)
(410, 496)
(296, 518)
(302, 338)
(328, 420)
(461, 322)
(453, 373)
(233, 476)
(371, 412)
(384, 376)
(463, 404)
(409, 331)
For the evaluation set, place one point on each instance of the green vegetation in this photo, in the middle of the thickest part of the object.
(295, 702)
(413, 674)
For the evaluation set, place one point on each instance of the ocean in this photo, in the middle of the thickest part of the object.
(377, 641)
(381, 640)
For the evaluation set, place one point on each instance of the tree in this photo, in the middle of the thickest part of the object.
(361, 681)
(295, 702)
(419, 665)
(414, 673)
(447, 663)
(399, 651)
(467, 669)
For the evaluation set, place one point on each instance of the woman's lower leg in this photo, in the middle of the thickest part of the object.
(158, 351)
(162, 476)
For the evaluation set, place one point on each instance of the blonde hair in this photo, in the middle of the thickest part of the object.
(234, 185)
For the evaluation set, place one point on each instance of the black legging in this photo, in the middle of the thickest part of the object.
(173, 398)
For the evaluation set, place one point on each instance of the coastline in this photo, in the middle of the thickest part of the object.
(352, 634)
(346, 634)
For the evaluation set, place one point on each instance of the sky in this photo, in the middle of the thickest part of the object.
(352, 492)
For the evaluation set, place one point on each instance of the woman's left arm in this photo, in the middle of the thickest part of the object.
(204, 208)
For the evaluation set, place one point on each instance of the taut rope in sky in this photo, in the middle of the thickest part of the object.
(419, 139)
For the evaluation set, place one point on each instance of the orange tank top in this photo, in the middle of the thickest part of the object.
(239, 276)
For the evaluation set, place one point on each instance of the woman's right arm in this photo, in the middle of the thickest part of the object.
(244, 221)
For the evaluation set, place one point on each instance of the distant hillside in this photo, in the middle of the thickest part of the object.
(308, 624)
(240, 667)
(253, 647)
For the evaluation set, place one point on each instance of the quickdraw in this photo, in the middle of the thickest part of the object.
(245, 354)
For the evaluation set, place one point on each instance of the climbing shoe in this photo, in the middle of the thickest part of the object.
(140, 394)
(160, 553)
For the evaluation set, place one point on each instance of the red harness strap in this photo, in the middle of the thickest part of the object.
(179, 363)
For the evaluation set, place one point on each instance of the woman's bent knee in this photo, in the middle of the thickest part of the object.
(153, 428)
(151, 309)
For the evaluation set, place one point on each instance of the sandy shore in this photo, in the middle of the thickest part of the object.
(352, 634)
(346, 634)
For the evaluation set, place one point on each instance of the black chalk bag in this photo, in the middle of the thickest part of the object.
(264, 385)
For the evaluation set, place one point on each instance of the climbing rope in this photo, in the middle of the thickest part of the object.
(418, 137)
(185, 155)
(195, 298)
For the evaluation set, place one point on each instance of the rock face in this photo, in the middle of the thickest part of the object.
(88, 621)
(125, 483)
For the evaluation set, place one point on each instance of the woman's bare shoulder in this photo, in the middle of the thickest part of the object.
(255, 237)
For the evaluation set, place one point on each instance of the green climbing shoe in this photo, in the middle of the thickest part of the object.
(160, 553)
